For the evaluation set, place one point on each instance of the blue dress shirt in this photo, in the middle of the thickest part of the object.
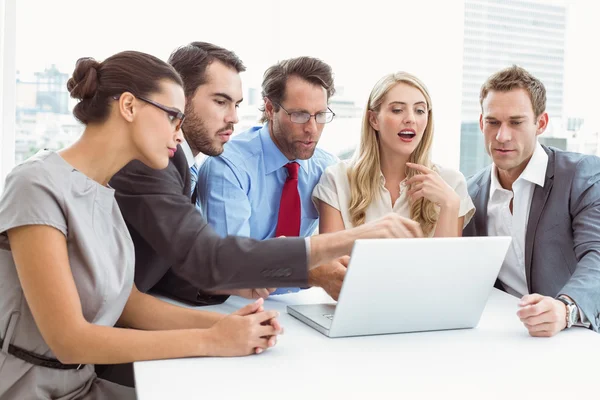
(240, 190)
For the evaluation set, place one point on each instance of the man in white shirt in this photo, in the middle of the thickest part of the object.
(546, 199)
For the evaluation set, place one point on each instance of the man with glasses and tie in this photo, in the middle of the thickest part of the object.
(261, 185)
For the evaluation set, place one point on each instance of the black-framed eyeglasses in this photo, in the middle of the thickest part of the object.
(301, 117)
(175, 116)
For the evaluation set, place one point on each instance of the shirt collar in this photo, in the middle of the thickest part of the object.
(187, 150)
(273, 157)
(382, 181)
(534, 172)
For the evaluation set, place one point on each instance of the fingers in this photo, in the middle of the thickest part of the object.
(261, 317)
(532, 311)
(271, 342)
(417, 179)
(532, 305)
(420, 168)
(262, 293)
(266, 330)
(546, 317)
(268, 337)
(261, 345)
(335, 292)
(271, 290)
(530, 299)
(415, 188)
(412, 227)
(395, 226)
(542, 334)
(250, 308)
(543, 330)
(402, 231)
(416, 195)
(345, 260)
(275, 323)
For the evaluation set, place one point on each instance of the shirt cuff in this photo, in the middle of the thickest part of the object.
(583, 321)
(307, 242)
(286, 290)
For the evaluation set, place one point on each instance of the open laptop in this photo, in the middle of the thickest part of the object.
(410, 285)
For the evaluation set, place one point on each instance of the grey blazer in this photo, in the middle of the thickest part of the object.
(562, 241)
(179, 254)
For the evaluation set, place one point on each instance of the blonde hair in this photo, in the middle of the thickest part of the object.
(365, 167)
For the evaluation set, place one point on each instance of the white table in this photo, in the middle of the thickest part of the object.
(496, 360)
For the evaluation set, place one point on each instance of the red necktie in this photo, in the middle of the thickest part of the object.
(288, 221)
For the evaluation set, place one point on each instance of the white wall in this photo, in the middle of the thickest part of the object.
(7, 87)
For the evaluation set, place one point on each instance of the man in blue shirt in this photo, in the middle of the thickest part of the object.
(261, 185)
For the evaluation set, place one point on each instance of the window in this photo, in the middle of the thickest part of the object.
(7, 87)
(360, 47)
(448, 49)
(550, 39)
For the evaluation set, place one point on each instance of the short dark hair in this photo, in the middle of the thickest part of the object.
(191, 61)
(96, 83)
(516, 77)
(310, 69)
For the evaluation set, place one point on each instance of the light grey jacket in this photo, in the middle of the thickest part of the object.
(562, 241)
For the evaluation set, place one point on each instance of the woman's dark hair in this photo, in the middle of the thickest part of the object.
(97, 83)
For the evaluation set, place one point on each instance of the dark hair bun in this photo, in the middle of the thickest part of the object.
(84, 82)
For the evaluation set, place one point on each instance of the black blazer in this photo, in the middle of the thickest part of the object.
(179, 254)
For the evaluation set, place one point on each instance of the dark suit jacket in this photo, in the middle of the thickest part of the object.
(179, 254)
(562, 241)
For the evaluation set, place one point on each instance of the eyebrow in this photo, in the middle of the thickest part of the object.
(228, 97)
(405, 104)
(512, 118)
(174, 109)
(291, 109)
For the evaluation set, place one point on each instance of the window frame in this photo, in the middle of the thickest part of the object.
(8, 98)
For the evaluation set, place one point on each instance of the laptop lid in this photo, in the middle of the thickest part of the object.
(408, 285)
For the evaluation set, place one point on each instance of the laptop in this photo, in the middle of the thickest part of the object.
(410, 285)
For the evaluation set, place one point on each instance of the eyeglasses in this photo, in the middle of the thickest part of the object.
(175, 116)
(300, 117)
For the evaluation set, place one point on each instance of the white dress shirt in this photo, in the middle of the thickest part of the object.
(187, 150)
(502, 223)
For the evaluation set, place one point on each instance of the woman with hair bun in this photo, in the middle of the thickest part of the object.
(67, 297)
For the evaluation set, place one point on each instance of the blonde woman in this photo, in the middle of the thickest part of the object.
(392, 171)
